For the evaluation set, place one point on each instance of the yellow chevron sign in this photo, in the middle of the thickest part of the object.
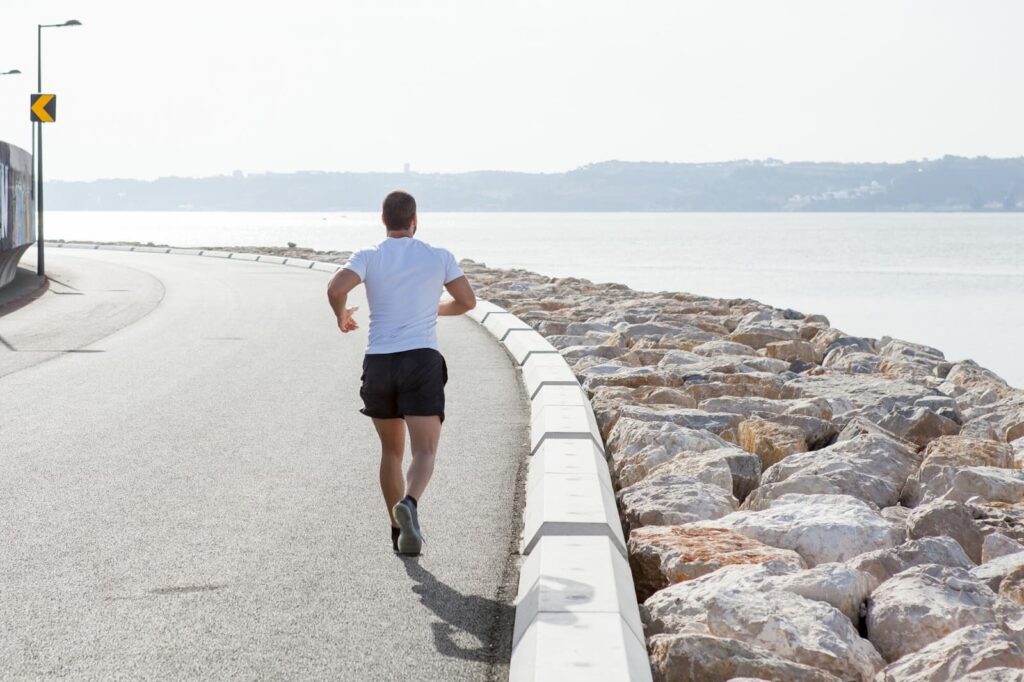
(44, 108)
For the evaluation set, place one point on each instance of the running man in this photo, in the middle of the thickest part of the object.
(403, 372)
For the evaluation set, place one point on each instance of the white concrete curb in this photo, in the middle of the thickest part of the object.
(209, 253)
(577, 617)
(576, 613)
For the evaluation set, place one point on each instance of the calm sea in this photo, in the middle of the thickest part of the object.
(953, 281)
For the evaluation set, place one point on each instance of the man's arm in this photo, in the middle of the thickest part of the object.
(462, 292)
(344, 281)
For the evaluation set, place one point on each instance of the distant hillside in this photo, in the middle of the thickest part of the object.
(947, 184)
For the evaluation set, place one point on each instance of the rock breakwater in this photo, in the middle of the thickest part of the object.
(800, 503)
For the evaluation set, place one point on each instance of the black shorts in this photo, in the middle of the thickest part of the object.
(407, 383)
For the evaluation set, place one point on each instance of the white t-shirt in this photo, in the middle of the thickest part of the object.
(404, 278)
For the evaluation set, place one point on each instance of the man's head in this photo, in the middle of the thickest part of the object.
(399, 212)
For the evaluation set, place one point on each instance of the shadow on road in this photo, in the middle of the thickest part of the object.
(482, 618)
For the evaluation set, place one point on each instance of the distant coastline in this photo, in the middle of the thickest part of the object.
(949, 184)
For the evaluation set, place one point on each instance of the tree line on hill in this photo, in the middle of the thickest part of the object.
(947, 184)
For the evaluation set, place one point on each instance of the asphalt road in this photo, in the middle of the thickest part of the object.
(188, 491)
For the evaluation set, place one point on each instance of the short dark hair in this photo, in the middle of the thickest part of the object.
(399, 210)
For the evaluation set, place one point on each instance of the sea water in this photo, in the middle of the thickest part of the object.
(950, 280)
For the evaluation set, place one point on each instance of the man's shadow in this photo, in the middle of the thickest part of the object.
(486, 620)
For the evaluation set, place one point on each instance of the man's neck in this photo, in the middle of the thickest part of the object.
(399, 235)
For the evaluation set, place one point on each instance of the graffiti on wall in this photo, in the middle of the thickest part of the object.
(17, 220)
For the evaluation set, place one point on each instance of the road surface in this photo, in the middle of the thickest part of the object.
(188, 490)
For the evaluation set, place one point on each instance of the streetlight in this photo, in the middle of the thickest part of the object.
(38, 140)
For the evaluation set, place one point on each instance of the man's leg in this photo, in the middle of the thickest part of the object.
(392, 448)
(424, 434)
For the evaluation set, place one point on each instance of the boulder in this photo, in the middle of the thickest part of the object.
(696, 657)
(734, 603)
(859, 426)
(671, 500)
(846, 392)
(995, 675)
(820, 528)
(996, 545)
(919, 425)
(765, 495)
(718, 423)
(1012, 586)
(637, 447)
(770, 441)
(852, 361)
(734, 381)
(703, 467)
(660, 395)
(953, 519)
(976, 649)
(988, 484)
(840, 585)
(760, 335)
(793, 350)
(944, 457)
(883, 564)
(999, 517)
(993, 572)
(746, 472)
(744, 405)
(722, 347)
(922, 605)
(664, 555)
(872, 468)
(897, 515)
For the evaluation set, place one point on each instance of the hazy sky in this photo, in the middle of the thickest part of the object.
(148, 89)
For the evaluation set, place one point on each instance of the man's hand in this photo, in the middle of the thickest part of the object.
(462, 293)
(346, 322)
(337, 294)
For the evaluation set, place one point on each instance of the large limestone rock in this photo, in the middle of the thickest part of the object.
(698, 657)
(988, 484)
(1012, 586)
(996, 545)
(719, 423)
(883, 564)
(793, 350)
(971, 649)
(919, 425)
(871, 468)
(664, 555)
(924, 604)
(637, 447)
(722, 347)
(672, 500)
(733, 603)
(746, 472)
(760, 335)
(764, 496)
(995, 675)
(949, 518)
(993, 572)
(709, 467)
(840, 585)
(848, 392)
(770, 441)
(944, 457)
(820, 528)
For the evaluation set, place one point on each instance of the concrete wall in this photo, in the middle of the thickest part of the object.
(17, 208)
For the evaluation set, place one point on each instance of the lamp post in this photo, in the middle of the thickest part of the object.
(38, 145)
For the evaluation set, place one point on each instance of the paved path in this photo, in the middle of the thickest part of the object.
(188, 491)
